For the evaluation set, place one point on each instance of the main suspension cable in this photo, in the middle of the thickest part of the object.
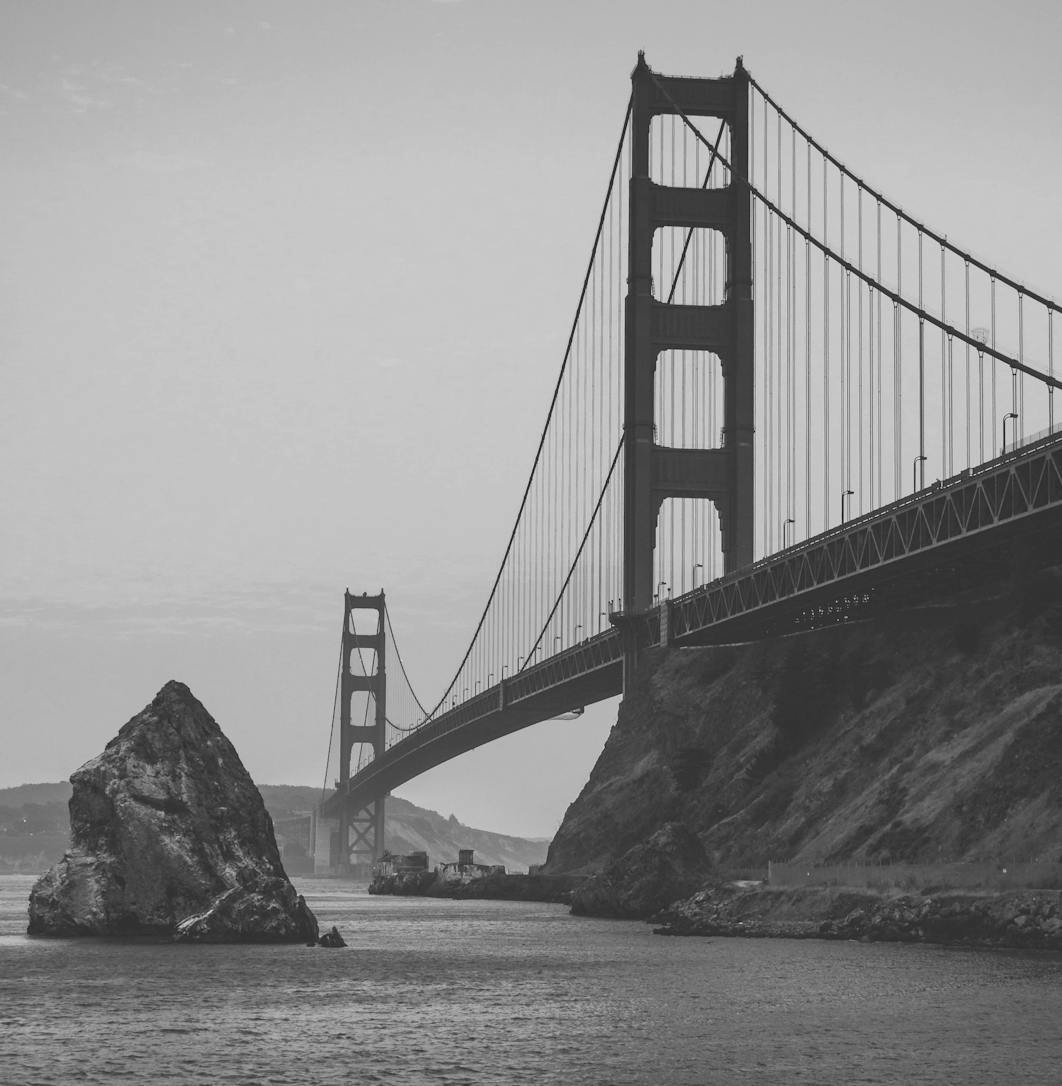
(401, 664)
(898, 211)
(917, 310)
(332, 732)
(575, 560)
(549, 414)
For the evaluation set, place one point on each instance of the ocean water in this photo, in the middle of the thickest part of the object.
(502, 992)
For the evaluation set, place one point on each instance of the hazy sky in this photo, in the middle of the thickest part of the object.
(284, 289)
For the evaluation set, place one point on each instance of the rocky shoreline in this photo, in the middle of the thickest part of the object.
(1026, 919)
(498, 887)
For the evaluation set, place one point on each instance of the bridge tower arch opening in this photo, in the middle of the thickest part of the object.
(359, 837)
(655, 472)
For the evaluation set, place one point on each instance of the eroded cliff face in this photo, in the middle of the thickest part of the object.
(934, 733)
(170, 835)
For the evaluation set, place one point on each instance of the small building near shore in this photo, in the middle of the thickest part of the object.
(466, 869)
(391, 864)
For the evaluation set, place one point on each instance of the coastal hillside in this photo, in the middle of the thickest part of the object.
(35, 828)
(929, 734)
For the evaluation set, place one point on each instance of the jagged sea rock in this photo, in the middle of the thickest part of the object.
(669, 865)
(332, 938)
(170, 835)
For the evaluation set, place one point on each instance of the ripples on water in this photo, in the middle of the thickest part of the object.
(498, 992)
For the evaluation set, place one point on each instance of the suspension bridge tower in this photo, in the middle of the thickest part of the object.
(360, 833)
(653, 472)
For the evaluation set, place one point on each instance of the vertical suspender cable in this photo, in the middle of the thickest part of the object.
(921, 374)
(846, 354)
(825, 351)
(807, 358)
(683, 561)
(859, 346)
(1019, 408)
(897, 373)
(791, 307)
(881, 366)
(945, 379)
(995, 363)
(1051, 370)
(969, 405)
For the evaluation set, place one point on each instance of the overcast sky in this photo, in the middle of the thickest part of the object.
(284, 289)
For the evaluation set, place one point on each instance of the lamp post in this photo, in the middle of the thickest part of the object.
(845, 494)
(575, 633)
(790, 520)
(693, 572)
(919, 459)
(1008, 415)
(556, 638)
(659, 594)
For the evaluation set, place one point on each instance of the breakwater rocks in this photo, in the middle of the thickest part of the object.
(498, 887)
(1028, 919)
(1031, 920)
(170, 836)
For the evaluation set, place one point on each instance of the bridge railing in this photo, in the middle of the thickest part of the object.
(966, 504)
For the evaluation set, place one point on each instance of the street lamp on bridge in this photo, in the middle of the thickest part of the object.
(845, 495)
(693, 573)
(919, 459)
(575, 633)
(790, 520)
(1009, 415)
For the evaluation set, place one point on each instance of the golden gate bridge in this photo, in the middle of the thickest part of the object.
(784, 401)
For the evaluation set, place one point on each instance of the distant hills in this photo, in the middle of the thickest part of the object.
(35, 828)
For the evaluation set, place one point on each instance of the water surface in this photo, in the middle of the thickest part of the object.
(506, 992)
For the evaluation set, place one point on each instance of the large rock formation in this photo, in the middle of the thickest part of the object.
(646, 877)
(170, 836)
(926, 735)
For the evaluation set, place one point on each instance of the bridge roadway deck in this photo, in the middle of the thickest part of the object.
(946, 535)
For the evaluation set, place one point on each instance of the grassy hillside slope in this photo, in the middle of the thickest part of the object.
(931, 734)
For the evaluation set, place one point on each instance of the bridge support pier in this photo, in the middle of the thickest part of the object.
(360, 834)
(652, 472)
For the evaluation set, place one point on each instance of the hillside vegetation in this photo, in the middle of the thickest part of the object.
(930, 734)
